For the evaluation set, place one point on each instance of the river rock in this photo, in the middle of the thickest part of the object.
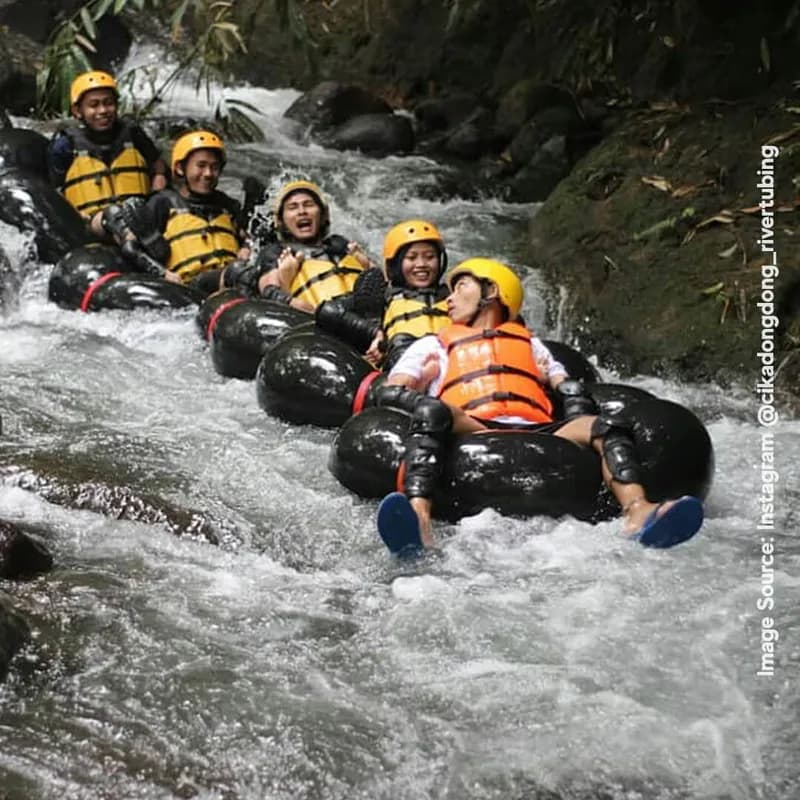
(25, 149)
(21, 555)
(373, 134)
(330, 104)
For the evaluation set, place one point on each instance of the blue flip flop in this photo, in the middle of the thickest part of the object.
(677, 524)
(399, 527)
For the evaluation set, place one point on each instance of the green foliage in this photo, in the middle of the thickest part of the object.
(72, 42)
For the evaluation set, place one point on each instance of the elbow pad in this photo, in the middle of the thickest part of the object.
(133, 252)
(241, 275)
(332, 316)
(276, 293)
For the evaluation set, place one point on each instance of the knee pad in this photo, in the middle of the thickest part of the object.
(619, 450)
(575, 400)
(240, 274)
(432, 417)
(399, 397)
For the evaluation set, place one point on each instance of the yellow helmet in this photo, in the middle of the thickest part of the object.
(509, 286)
(90, 80)
(300, 186)
(196, 140)
(400, 237)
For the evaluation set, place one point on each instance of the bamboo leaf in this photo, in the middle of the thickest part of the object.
(119, 5)
(765, 58)
(782, 137)
(79, 59)
(177, 18)
(101, 9)
(712, 290)
(88, 23)
(232, 101)
(242, 128)
(85, 43)
(658, 182)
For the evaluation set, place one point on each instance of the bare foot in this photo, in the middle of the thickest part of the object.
(639, 510)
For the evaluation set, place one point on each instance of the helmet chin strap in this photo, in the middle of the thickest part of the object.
(482, 303)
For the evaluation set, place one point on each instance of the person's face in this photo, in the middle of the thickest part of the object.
(420, 265)
(302, 217)
(464, 299)
(201, 171)
(97, 108)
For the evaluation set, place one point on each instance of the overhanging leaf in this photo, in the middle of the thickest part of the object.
(101, 8)
(232, 101)
(724, 217)
(88, 22)
(660, 183)
(764, 49)
(782, 137)
(713, 289)
(85, 43)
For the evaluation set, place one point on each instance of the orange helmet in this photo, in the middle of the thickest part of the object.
(400, 238)
(88, 81)
(196, 140)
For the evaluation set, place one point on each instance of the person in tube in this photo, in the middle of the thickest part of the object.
(414, 261)
(306, 265)
(102, 159)
(486, 370)
(190, 234)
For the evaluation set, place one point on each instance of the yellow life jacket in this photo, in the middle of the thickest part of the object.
(414, 313)
(101, 176)
(199, 243)
(492, 373)
(320, 279)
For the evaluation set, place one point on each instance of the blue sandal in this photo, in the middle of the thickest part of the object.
(399, 527)
(677, 524)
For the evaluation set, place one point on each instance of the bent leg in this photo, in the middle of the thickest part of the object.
(622, 473)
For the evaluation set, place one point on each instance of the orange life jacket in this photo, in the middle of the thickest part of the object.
(492, 373)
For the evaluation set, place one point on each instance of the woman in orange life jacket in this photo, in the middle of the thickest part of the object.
(488, 371)
(307, 265)
(104, 159)
(190, 234)
(414, 260)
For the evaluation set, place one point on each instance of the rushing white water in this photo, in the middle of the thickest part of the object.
(537, 658)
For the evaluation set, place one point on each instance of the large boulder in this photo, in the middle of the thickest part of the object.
(330, 104)
(20, 59)
(21, 556)
(372, 134)
(25, 149)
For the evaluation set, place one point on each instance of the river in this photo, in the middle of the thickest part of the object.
(536, 659)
